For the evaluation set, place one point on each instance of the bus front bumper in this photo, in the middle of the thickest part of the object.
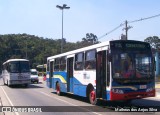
(16, 82)
(131, 95)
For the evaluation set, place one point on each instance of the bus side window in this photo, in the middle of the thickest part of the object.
(57, 64)
(90, 59)
(90, 64)
(47, 65)
(63, 64)
(79, 60)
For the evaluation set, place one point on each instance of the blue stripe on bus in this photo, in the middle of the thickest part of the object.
(76, 86)
(71, 84)
(107, 95)
(63, 74)
(80, 90)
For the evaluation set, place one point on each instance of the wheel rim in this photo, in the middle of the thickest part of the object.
(93, 96)
(58, 89)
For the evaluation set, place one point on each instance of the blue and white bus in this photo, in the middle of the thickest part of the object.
(112, 70)
(16, 72)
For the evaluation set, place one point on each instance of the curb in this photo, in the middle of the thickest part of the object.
(157, 85)
(1, 102)
(157, 94)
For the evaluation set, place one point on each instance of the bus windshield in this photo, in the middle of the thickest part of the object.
(19, 66)
(34, 73)
(132, 64)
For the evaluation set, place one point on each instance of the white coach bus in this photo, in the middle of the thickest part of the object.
(16, 72)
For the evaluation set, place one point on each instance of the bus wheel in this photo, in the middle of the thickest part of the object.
(7, 83)
(58, 89)
(92, 97)
(4, 82)
(25, 85)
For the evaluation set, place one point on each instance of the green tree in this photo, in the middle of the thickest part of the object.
(154, 42)
(37, 49)
(90, 38)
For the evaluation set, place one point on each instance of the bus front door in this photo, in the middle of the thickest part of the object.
(51, 74)
(101, 75)
(70, 74)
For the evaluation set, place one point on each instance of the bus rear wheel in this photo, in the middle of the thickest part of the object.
(92, 97)
(25, 85)
(58, 89)
(4, 82)
(7, 83)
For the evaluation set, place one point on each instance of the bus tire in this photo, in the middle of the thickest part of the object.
(4, 82)
(25, 85)
(58, 90)
(92, 97)
(7, 83)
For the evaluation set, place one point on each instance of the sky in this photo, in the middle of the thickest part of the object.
(41, 18)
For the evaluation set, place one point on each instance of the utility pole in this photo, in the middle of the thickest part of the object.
(26, 50)
(62, 8)
(127, 28)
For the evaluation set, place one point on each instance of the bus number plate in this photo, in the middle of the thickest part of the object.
(143, 86)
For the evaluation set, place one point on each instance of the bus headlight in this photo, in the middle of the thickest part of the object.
(119, 91)
(149, 89)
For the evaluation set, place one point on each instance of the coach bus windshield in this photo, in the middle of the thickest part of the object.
(19, 66)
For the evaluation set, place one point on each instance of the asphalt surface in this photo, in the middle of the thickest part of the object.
(39, 95)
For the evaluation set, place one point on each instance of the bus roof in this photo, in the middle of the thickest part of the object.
(103, 44)
(10, 60)
(95, 46)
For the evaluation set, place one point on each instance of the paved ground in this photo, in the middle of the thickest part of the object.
(158, 85)
(157, 89)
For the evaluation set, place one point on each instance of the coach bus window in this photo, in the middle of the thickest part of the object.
(63, 64)
(24, 66)
(90, 60)
(79, 59)
(4, 67)
(47, 65)
(14, 67)
(57, 64)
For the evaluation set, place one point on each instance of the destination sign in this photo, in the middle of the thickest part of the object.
(129, 45)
